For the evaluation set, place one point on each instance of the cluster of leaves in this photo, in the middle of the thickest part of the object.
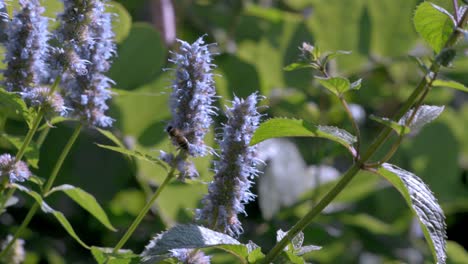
(140, 110)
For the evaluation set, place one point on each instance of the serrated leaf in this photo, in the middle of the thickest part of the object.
(49, 210)
(336, 85)
(283, 127)
(123, 256)
(434, 24)
(424, 115)
(423, 204)
(190, 236)
(31, 152)
(134, 153)
(450, 84)
(86, 201)
(11, 105)
(297, 65)
(400, 129)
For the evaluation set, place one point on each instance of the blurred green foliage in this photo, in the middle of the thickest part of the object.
(256, 40)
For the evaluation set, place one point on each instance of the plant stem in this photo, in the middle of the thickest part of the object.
(37, 120)
(144, 211)
(376, 144)
(50, 181)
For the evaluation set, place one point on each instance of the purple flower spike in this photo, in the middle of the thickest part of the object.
(15, 171)
(193, 95)
(27, 48)
(87, 39)
(236, 167)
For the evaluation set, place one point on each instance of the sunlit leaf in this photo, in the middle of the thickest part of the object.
(283, 127)
(424, 115)
(424, 205)
(450, 84)
(11, 105)
(86, 201)
(122, 23)
(111, 137)
(336, 85)
(193, 236)
(297, 65)
(434, 24)
(134, 153)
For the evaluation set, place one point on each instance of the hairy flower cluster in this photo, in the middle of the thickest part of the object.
(87, 47)
(15, 171)
(235, 169)
(16, 254)
(193, 95)
(190, 256)
(186, 167)
(50, 102)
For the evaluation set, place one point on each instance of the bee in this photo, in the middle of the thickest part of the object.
(178, 137)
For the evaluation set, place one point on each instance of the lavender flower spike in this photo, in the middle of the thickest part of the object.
(27, 48)
(15, 171)
(235, 169)
(193, 95)
(26, 53)
(88, 45)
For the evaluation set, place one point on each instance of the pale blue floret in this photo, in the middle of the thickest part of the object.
(236, 167)
(15, 171)
(26, 48)
(193, 94)
(87, 47)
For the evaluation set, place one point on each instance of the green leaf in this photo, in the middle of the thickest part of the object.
(11, 105)
(53, 121)
(123, 256)
(122, 23)
(434, 24)
(255, 254)
(456, 254)
(400, 129)
(450, 84)
(424, 205)
(283, 127)
(49, 210)
(141, 56)
(86, 201)
(336, 85)
(31, 153)
(111, 137)
(297, 65)
(193, 237)
(287, 257)
(135, 153)
(331, 55)
(425, 115)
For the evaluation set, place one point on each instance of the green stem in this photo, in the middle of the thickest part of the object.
(37, 120)
(50, 182)
(62, 157)
(5, 198)
(42, 137)
(376, 144)
(144, 211)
